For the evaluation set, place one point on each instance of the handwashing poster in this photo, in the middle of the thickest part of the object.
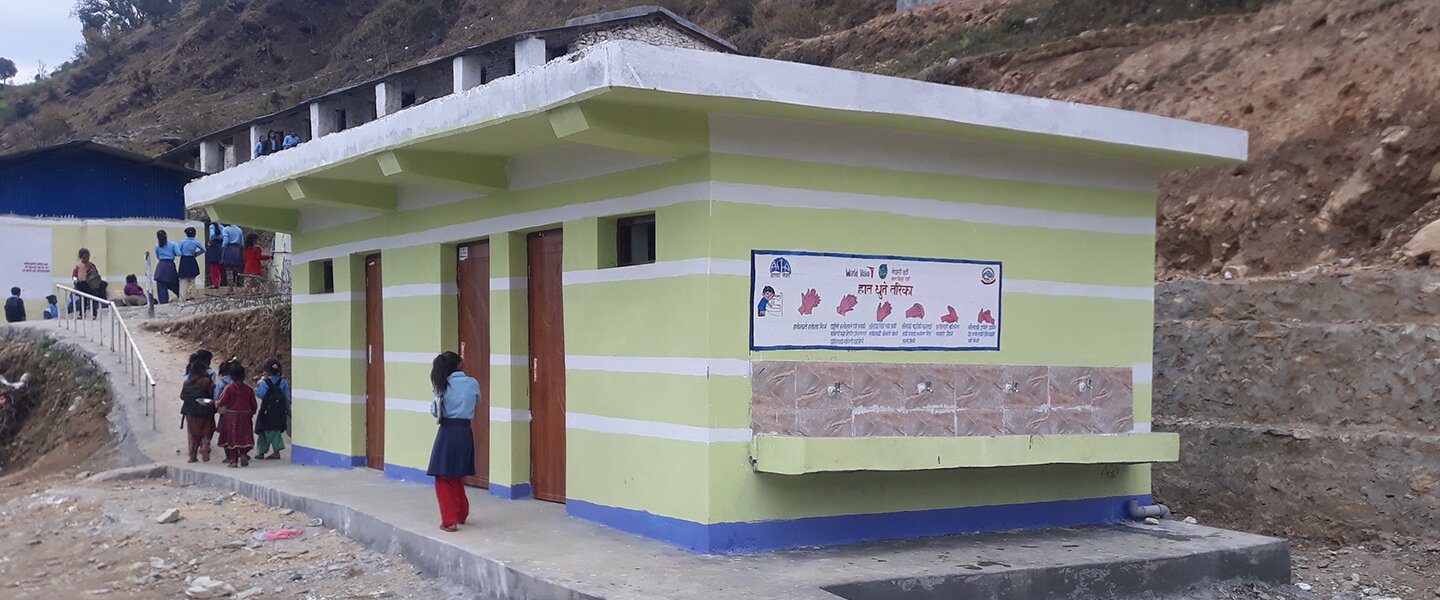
(828, 301)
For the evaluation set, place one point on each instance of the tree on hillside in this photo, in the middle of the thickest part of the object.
(7, 70)
(122, 15)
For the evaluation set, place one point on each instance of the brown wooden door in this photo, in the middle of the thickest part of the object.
(472, 277)
(547, 368)
(374, 365)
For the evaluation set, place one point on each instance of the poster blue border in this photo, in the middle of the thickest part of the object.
(999, 307)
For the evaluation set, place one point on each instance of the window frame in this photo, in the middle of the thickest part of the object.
(623, 248)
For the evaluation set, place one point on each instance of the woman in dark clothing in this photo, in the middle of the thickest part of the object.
(453, 457)
(198, 408)
(237, 413)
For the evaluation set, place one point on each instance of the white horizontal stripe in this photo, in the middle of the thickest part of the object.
(501, 414)
(692, 367)
(1142, 428)
(508, 360)
(508, 283)
(1142, 373)
(658, 270)
(420, 358)
(403, 405)
(318, 353)
(420, 290)
(331, 397)
(1056, 288)
(318, 298)
(690, 192)
(943, 210)
(747, 194)
(655, 429)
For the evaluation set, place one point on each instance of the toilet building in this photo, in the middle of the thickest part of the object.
(736, 304)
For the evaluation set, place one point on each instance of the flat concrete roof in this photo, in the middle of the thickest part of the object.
(665, 78)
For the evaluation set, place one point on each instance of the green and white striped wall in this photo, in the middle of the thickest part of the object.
(657, 355)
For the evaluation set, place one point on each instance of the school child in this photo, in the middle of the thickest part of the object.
(190, 250)
(225, 378)
(274, 415)
(198, 409)
(237, 411)
(204, 357)
(134, 294)
(14, 307)
(52, 307)
(254, 256)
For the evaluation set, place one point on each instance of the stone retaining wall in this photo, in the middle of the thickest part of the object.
(1306, 405)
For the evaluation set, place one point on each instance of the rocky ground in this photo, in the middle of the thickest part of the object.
(64, 537)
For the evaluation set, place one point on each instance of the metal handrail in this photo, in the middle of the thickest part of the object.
(120, 340)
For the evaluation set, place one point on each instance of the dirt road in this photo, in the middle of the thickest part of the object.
(77, 539)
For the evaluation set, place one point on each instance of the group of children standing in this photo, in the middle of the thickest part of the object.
(249, 418)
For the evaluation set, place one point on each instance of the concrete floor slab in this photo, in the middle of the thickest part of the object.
(532, 549)
(522, 549)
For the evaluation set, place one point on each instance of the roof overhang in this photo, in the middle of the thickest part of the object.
(654, 100)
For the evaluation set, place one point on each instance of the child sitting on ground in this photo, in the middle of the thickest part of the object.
(134, 294)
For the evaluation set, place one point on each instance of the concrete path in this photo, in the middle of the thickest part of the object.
(532, 549)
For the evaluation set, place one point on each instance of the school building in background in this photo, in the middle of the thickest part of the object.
(58, 199)
(731, 303)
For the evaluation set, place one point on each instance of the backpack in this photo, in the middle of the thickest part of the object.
(272, 415)
(190, 395)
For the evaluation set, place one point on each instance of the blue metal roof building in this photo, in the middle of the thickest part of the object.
(88, 180)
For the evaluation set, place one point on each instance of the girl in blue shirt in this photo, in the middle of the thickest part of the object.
(190, 250)
(453, 457)
(166, 277)
(274, 415)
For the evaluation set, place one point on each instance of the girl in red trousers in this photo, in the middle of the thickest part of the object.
(237, 413)
(453, 457)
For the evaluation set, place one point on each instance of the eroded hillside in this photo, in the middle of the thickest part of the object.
(1337, 94)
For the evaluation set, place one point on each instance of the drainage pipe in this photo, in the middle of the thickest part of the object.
(1137, 512)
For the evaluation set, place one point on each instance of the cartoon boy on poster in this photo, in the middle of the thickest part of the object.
(769, 302)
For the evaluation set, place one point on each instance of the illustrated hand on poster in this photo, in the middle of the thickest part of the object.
(952, 317)
(847, 304)
(883, 311)
(808, 301)
(985, 317)
(915, 312)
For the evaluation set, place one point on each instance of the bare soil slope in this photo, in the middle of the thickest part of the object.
(253, 335)
(1338, 96)
(58, 419)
